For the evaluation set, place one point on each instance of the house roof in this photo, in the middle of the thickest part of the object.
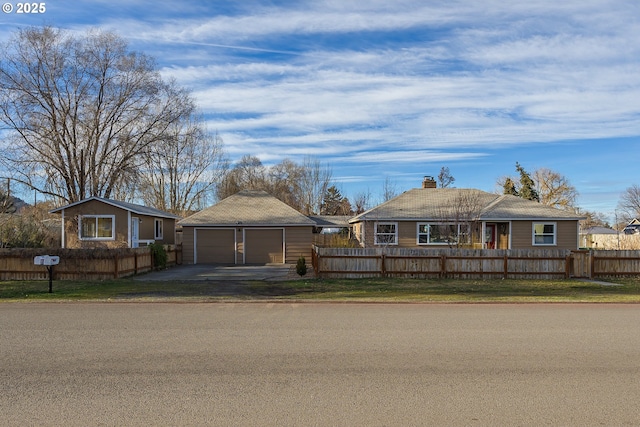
(248, 207)
(453, 203)
(331, 220)
(598, 230)
(131, 207)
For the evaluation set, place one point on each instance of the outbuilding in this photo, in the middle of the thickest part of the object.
(249, 227)
(98, 222)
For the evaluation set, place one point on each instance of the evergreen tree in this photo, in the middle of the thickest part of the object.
(334, 203)
(509, 187)
(527, 185)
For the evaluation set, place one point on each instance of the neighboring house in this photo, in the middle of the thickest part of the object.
(449, 217)
(599, 238)
(633, 227)
(104, 223)
(249, 227)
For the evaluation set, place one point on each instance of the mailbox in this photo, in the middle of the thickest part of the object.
(46, 260)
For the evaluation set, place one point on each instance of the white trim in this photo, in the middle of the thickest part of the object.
(157, 236)
(129, 235)
(133, 243)
(63, 233)
(94, 239)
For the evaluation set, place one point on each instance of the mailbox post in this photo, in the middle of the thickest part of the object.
(48, 261)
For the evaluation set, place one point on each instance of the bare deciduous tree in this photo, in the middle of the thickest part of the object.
(247, 174)
(445, 179)
(314, 182)
(389, 189)
(458, 219)
(182, 172)
(554, 189)
(361, 201)
(81, 109)
(629, 203)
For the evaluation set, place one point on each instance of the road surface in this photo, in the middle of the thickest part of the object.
(319, 364)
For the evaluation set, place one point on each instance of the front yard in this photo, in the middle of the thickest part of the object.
(338, 290)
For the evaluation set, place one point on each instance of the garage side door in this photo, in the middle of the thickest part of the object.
(263, 246)
(215, 246)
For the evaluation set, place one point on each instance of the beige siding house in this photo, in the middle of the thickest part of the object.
(104, 223)
(250, 227)
(449, 217)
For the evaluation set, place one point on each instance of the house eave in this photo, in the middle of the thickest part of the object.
(242, 224)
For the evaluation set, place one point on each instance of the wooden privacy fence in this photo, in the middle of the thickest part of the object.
(82, 264)
(472, 263)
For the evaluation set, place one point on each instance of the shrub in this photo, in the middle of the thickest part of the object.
(301, 266)
(159, 255)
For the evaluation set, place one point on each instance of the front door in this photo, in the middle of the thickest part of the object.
(490, 236)
(135, 232)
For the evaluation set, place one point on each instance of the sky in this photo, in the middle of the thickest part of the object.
(396, 90)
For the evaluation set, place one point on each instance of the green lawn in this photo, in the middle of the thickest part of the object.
(370, 290)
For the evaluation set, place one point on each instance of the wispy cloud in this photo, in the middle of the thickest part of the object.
(397, 83)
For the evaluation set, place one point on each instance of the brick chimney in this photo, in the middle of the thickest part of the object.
(429, 182)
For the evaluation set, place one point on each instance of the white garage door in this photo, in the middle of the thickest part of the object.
(215, 246)
(264, 246)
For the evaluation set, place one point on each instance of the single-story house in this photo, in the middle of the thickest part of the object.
(445, 217)
(633, 227)
(597, 237)
(249, 227)
(97, 222)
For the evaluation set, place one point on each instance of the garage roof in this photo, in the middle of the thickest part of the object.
(247, 208)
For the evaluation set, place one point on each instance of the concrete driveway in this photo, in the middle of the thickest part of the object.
(202, 272)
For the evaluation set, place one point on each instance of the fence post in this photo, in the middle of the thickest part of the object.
(315, 261)
(383, 267)
(115, 261)
(135, 262)
(443, 266)
(506, 267)
(592, 265)
(567, 267)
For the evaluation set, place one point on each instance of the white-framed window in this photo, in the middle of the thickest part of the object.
(443, 234)
(158, 225)
(97, 227)
(544, 233)
(386, 233)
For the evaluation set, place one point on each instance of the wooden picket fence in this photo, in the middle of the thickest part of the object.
(472, 263)
(82, 264)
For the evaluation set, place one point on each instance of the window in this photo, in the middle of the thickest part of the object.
(158, 229)
(386, 233)
(544, 233)
(443, 234)
(97, 227)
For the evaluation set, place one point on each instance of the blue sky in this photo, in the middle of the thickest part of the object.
(397, 90)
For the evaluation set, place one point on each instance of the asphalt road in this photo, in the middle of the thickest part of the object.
(319, 364)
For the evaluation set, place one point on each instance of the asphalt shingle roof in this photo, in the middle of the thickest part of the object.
(446, 203)
(138, 209)
(248, 207)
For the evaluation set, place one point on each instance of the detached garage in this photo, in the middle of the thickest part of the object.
(250, 227)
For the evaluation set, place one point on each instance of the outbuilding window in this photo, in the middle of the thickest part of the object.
(544, 233)
(97, 227)
(158, 229)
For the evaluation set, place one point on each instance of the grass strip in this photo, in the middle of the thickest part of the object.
(337, 290)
